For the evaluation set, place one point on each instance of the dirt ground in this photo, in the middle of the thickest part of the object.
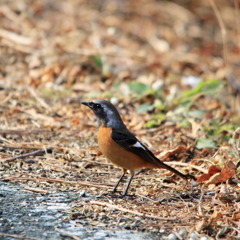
(146, 57)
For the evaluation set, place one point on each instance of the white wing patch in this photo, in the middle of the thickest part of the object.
(139, 145)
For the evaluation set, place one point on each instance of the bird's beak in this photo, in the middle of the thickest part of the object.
(85, 103)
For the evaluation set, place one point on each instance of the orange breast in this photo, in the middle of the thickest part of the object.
(117, 154)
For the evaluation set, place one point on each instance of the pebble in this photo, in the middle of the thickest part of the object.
(114, 100)
(194, 184)
(204, 238)
(83, 194)
(172, 236)
(193, 236)
(183, 232)
(192, 81)
(158, 84)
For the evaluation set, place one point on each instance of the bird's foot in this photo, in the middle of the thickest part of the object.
(124, 195)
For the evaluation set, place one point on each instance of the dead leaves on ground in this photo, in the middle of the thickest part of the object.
(217, 175)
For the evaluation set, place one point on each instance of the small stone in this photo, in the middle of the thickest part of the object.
(172, 236)
(111, 31)
(114, 100)
(194, 184)
(183, 232)
(192, 81)
(193, 236)
(204, 238)
(83, 194)
(158, 84)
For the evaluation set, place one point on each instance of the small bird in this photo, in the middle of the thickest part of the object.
(121, 147)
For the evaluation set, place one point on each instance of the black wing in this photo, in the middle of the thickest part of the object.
(129, 142)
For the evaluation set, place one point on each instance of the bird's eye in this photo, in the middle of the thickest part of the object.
(97, 105)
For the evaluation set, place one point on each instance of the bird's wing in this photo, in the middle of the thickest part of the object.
(129, 142)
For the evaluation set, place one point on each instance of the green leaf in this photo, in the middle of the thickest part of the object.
(209, 87)
(159, 104)
(145, 108)
(155, 121)
(196, 114)
(139, 88)
(206, 143)
(98, 61)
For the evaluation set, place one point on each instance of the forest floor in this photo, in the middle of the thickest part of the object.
(172, 74)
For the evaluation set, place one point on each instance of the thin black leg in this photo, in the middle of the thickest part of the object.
(115, 188)
(128, 185)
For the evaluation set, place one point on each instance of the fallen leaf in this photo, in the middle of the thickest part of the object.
(177, 153)
(216, 175)
(228, 171)
(206, 143)
(211, 171)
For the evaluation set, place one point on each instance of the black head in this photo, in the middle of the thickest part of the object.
(106, 113)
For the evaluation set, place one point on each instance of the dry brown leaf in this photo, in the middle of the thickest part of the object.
(174, 154)
(216, 175)
(228, 171)
(211, 171)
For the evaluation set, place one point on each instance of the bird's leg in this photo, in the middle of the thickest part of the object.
(115, 188)
(128, 185)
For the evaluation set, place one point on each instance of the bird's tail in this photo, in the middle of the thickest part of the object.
(160, 164)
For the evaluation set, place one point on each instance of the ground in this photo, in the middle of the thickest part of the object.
(171, 69)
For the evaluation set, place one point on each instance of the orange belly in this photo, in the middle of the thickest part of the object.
(118, 155)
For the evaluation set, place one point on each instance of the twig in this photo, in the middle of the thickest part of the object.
(40, 190)
(188, 165)
(22, 131)
(19, 147)
(73, 236)
(130, 211)
(40, 151)
(20, 48)
(39, 99)
(149, 199)
(222, 28)
(44, 179)
(5, 140)
(16, 38)
(19, 236)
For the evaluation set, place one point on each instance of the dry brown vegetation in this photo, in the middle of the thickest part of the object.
(53, 54)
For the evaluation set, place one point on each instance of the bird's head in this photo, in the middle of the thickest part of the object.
(105, 112)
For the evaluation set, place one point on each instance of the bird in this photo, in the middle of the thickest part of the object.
(121, 147)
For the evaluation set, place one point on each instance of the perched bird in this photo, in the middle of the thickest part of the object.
(120, 146)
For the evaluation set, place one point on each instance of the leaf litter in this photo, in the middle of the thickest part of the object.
(53, 55)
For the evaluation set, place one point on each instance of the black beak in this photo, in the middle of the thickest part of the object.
(85, 103)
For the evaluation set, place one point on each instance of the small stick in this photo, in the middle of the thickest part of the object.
(22, 131)
(15, 37)
(222, 28)
(39, 99)
(44, 179)
(48, 150)
(70, 235)
(188, 165)
(130, 211)
(40, 190)
(19, 236)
